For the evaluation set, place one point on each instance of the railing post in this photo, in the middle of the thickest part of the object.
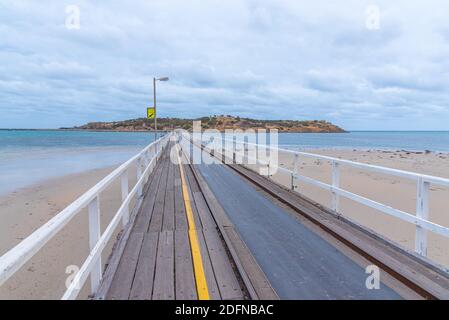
(295, 170)
(268, 169)
(335, 184)
(245, 148)
(144, 165)
(223, 150)
(147, 157)
(152, 160)
(125, 191)
(234, 149)
(94, 236)
(154, 152)
(148, 163)
(422, 211)
(212, 149)
(139, 174)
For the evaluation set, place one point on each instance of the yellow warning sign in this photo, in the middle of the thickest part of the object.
(151, 113)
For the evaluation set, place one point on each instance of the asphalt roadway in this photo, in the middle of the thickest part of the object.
(298, 262)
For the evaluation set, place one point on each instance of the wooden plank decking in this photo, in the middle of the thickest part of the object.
(156, 262)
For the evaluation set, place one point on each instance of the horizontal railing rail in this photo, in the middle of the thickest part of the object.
(420, 219)
(144, 162)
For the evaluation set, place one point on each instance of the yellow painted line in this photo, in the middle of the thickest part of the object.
(200, 277)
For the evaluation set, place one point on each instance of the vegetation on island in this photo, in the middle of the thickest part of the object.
(220, 123)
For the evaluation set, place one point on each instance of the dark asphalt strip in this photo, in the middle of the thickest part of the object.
(297, 261)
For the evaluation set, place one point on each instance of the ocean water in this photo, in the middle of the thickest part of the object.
(29, 156)
(436, 141)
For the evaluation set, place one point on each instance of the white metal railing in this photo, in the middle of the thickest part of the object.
(420, 219)
(145, 162)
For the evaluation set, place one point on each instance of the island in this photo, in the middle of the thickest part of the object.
(221, 123)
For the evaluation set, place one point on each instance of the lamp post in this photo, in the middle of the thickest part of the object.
(154, 97)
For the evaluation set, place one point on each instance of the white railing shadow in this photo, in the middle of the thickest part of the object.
(145, 161)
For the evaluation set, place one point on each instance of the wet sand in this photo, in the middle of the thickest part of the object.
(25, 210)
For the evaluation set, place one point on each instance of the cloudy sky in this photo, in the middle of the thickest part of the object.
(273, 59)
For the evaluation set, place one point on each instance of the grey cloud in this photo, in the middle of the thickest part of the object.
(263, 59)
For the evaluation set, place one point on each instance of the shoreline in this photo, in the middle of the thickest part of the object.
(421, 162)
(378, 150)
(54, 180)
(50, 163)
(87, 130)
(332, 150)
(159, 131)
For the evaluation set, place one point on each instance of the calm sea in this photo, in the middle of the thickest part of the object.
(28, 156)
(436, 141)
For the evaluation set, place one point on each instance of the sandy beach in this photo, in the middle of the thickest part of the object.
(44, 277)
(25, 210)
(393, 191)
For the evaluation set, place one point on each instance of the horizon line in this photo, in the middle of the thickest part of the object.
(150, 131)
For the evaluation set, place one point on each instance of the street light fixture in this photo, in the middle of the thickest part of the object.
(154, 96)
